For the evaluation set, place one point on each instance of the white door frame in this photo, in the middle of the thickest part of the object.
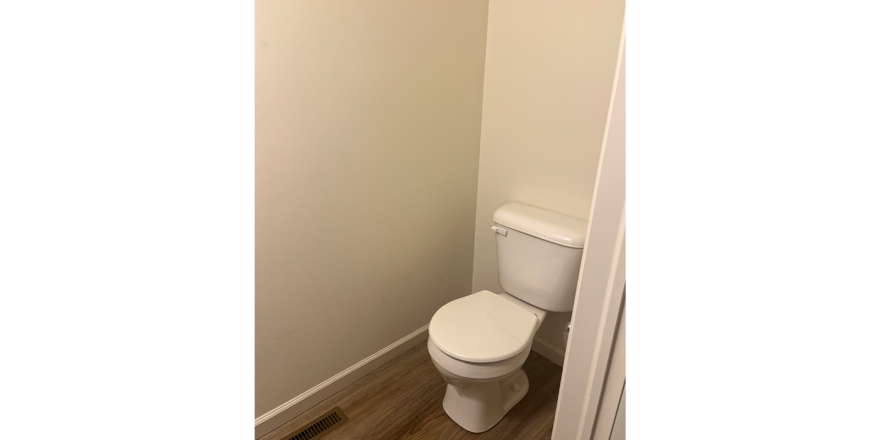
(600, 289)
(611, 406)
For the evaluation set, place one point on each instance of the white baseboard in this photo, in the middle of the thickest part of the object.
(299, 404)
(549, 351)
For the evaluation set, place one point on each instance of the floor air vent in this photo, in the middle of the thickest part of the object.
(322, 426)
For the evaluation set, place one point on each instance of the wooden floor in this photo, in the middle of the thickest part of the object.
(403, 400)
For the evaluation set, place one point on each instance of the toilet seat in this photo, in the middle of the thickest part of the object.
(482, 328)
(472, 371)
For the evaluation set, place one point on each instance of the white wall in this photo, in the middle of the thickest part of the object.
(549, 71)
(367, 143)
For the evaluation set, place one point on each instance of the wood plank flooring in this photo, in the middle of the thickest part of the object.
(403, 399)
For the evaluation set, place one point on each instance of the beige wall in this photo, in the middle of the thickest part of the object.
(549, 71)
(367, 143)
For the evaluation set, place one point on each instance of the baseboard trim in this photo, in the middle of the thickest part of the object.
(299, 404)
(549, 351)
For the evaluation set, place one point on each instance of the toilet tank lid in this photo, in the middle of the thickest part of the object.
(541, 223)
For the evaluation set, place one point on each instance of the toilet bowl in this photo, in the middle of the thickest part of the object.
(479, 342)
(477, 404)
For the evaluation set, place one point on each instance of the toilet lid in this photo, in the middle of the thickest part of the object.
(482, 327)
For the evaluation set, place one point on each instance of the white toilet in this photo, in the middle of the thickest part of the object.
(480, 342)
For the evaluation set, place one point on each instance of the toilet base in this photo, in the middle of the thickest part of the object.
(478, 406)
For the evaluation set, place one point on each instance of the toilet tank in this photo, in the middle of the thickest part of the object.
(539, 255)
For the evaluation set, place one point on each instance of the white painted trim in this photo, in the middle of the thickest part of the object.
(299, 404)
(618, 430)
(549, 351)
(615, 381)
(601, 283)
(598, 378)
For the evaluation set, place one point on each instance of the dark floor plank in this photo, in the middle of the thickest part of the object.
(403, 399)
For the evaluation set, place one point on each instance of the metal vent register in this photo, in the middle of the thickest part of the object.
(322, 426)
